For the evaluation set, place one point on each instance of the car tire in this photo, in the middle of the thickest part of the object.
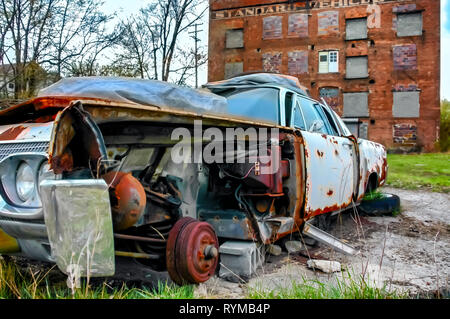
(387, 205)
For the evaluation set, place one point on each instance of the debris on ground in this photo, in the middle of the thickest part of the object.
(294, 246)
(274, 250)
(327, 266)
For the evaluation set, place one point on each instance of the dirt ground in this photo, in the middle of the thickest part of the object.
(409, 252)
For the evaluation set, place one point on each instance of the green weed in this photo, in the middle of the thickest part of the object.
(374, 195)
(349, 287)
(17, 283)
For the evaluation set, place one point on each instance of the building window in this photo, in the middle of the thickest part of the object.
(232, 69)
(356, 67)
(356, 29)
(328, 22)
(405, 57)
(298, 25)
(358, 128)
(272, 62)
(406, 104)
(405, 134)
(234, 39)
(272, 28)
(297, 62)
(356, 104)
(328, 61)
(409, 24)
(331, 96)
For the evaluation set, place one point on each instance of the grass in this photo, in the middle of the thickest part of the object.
(18, 283)
(349, 287)
(374, 195)
(420, 171)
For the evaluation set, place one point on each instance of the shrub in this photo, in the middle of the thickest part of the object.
(444, 140)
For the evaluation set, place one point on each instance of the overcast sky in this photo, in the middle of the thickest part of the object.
(132, 6)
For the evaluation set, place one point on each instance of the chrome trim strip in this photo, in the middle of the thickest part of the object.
(24, 230)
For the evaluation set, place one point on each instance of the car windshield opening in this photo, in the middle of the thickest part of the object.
(254, 103)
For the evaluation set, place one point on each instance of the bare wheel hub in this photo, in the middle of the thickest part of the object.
(193, 256)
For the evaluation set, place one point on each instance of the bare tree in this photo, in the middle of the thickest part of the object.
(25, 31)
(80, 33)
(186, 65)
(152, 38)
(135, 41)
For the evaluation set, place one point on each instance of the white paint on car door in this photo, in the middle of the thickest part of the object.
(329, 173)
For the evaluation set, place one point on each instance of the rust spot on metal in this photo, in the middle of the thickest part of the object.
(319, 153)
(336, 152)
(128, 199)
(62, 163)
(330, 192)
(384, 170)
(324, 136)
(294, 229)
(300, 191)
(12, 133)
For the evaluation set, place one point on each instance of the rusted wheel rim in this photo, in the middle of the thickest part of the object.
(171, 248)
(197, 252)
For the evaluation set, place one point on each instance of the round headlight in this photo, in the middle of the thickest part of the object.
(25, 182)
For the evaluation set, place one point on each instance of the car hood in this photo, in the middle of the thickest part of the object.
(26, 132)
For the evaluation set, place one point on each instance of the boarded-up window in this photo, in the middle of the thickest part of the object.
(356, 104)
(234, 39)
(298, 25)
(405, 57)
(356, 67)
(272, 62)
(331, 96)
(356, 127)
(356, 29)
(363, 128)
(406, 104)
(409, 24)
(298, 62)
(232, 69)
(272, 28)
(405, 134)
(328, 22)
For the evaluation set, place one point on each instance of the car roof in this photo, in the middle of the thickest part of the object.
(259, 79)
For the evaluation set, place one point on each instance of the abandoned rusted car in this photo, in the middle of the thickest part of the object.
(96, 169)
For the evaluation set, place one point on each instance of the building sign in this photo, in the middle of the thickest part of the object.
(293, 7)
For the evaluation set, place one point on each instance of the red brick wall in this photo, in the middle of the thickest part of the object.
(392, 63)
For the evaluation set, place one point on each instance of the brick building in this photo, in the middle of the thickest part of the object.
(376, 62)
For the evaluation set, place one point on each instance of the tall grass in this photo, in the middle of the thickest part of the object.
(349, 287)
(17, 283)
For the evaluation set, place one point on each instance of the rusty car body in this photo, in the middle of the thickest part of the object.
(87, 174)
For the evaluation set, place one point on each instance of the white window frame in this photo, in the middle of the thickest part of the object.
(332, 63)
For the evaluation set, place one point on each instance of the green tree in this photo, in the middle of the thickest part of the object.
(444, 140)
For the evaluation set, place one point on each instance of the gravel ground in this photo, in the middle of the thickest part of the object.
(410, 252)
